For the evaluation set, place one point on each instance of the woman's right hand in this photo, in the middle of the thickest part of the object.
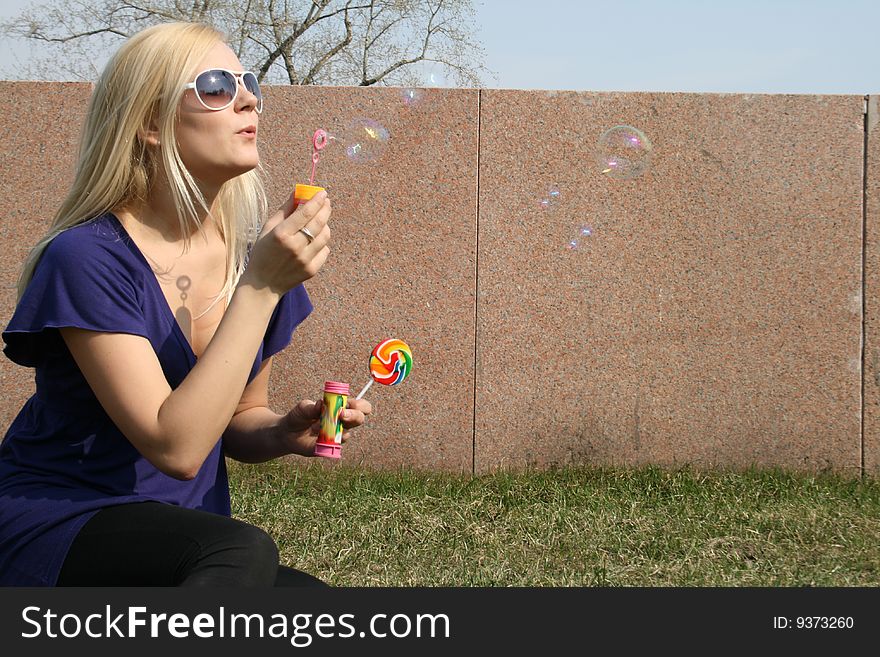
(283, 256)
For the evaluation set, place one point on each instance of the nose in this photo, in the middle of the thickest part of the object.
(245, 98)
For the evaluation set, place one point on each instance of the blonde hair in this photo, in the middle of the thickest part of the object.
(142, 83)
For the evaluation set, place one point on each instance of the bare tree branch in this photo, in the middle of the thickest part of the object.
(310, 76)
(42, 37)
(348, 42)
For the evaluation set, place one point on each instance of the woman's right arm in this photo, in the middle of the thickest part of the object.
(176, 429)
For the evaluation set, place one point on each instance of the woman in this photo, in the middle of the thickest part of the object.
(151, 312)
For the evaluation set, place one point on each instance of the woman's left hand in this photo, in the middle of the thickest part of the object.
(302, 424)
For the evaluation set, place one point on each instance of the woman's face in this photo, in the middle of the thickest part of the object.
(217, 145)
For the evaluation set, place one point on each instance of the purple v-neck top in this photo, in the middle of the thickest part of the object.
(63, 459)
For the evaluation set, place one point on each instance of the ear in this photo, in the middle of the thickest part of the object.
(149, 134)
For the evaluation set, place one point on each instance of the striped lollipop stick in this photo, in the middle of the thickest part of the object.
(364, 389)
(390, 363)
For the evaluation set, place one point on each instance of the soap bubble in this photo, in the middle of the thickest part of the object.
(412, 96)
(549, 204)
(585, 231)
(623, 152)
(552, 198)
(435, 77)
(365, 140)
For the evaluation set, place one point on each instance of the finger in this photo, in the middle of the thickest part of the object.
(314, 213)
(351, 419)
(301, 415)
(316, 261)
(319, 232)
(311, 408)
(316, 209)
(316, 223)
(319, 227)
(289, 205)
(314, 246)
(271, 223)
(361, 405)
(280, 215)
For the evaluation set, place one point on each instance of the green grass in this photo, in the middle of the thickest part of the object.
(567, 527)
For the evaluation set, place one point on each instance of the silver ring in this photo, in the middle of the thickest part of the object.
(305, 231)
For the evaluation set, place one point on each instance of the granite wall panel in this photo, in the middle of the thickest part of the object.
(37, 160)
(402, 263)
(712, 317)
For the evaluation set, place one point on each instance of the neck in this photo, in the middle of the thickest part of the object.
(156, 218)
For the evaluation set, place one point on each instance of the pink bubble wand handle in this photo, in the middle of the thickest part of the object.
(319, 141)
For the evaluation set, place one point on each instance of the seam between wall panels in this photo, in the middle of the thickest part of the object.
(869, 118)
(476, 285)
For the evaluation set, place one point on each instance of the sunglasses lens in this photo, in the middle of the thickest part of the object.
(216, 88)
(251, 84)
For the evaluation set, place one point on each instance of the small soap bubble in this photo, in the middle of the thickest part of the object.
(412, 96)
(365, 140)
(552, 198)
(623, 152)
(435, 77)
(584, 231)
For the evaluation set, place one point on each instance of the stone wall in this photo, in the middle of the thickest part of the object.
(721, 312)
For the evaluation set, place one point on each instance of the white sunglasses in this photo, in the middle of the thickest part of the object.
(216, 88)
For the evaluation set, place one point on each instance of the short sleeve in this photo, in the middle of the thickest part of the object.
(79, 282)
(291, 310)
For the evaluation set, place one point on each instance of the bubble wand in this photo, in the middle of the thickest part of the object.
(390, 363)
(303, 193)
(319, 141)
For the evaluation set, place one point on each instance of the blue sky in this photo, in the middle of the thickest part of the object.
(742, 46)
(766, 46)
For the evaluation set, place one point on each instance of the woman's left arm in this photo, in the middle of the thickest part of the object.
(256, 434)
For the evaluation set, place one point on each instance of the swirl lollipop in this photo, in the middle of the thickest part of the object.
(390, 363)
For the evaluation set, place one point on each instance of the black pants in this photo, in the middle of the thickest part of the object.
(154, 544)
